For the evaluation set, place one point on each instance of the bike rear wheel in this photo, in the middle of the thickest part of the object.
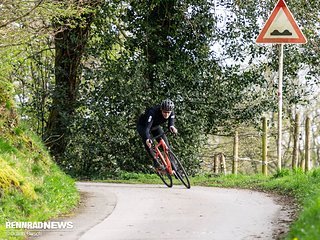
(165, 176)
(179, 170)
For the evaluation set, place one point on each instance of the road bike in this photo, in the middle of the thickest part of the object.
(168, 162)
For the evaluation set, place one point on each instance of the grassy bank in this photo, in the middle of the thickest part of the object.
(32, 187)
(304, 188)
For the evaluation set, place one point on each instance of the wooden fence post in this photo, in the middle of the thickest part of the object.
(264, 147)
(235, 153)
(295, 153)
(215, 163)
(307, 145)
(302, 161)
(223, 164)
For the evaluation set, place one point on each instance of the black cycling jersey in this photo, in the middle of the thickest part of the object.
(152, 118)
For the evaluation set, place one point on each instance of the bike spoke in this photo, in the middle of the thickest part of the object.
(180, 172)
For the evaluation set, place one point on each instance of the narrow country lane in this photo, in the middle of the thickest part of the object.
(141, 212)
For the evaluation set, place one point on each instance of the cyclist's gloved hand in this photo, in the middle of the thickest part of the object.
(173, 130)
(149, 143)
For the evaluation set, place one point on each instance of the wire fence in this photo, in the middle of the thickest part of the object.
(244, 151)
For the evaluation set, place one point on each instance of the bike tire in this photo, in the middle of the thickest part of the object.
(165, 177)
(179, 170)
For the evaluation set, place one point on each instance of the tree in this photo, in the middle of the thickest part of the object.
(24, 52)
(144, 62)
(70, 40)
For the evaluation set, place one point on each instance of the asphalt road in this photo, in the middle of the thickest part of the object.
(150, 212)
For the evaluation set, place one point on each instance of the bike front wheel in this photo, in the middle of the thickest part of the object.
(165, 177)
(179, 170)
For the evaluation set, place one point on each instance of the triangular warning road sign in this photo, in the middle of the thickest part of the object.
(281, 27)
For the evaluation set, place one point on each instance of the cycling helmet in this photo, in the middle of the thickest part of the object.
(167, 105)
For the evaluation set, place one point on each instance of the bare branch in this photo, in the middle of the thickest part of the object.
(24, 15)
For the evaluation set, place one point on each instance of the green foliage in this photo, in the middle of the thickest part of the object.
(143, 52)
(6, 91)
(33, 75)
(282, 173)
(201, 55)
(116, 91)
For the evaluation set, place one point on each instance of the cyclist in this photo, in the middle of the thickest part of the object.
(149, 124)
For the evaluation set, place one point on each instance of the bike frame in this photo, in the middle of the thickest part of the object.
(162, 151)
(164, 157)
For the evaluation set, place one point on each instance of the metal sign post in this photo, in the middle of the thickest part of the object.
(280, 105)
(280, 28)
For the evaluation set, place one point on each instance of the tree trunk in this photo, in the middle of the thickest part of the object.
(69, 47)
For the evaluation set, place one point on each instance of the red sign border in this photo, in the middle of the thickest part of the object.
(281, 4)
